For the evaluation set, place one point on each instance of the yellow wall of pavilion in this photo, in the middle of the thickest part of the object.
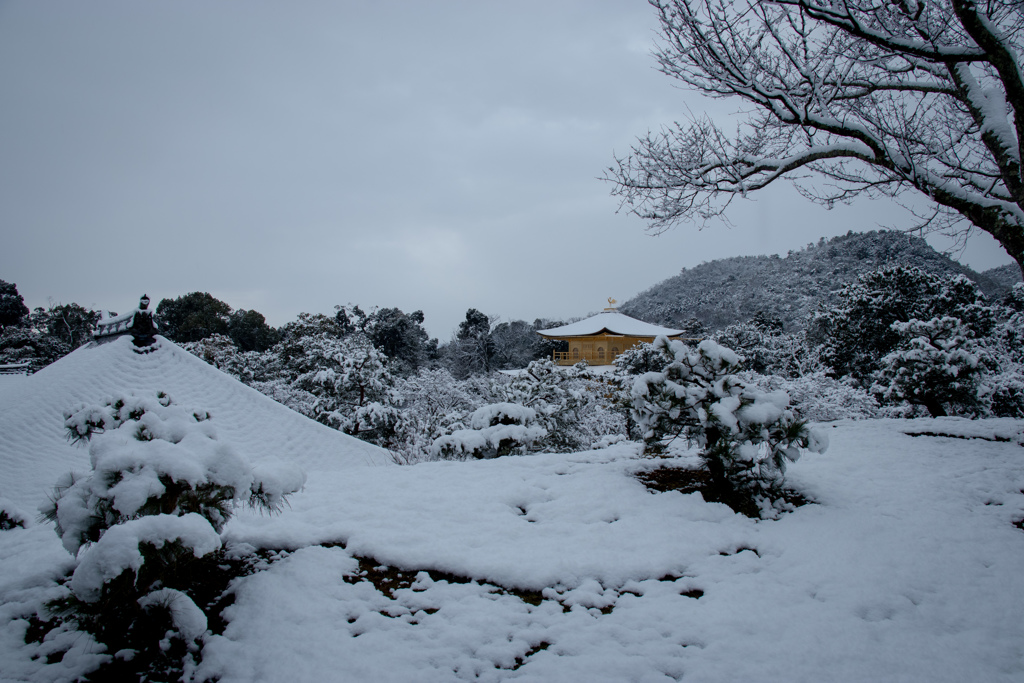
(599, 349)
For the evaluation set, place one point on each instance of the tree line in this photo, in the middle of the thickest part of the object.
(898, 341)
(481, 343)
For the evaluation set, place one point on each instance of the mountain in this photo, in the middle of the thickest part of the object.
(34, 450)
(727, 291)
(1002, 278)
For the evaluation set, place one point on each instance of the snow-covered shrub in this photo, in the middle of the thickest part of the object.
(161, 489)
(379, 422)
(218, 350)
(767, 350)
(345, 375)
(572, 404)
(154, 457)
(1002, 386)
(935, 365)
(639, 359)
(746, 436)
(816, 397)
(1002, 393)
(432, 404)
(282, 390)
(10, 515)
(495, 430)
(857, 331)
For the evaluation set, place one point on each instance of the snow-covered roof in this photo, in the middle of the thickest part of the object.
(611, 322)
(32, 419)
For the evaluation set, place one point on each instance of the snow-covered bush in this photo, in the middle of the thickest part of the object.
(432, 404)
(1003, 393)
(439, 414)
(345, 375)
(935, 365)
(746, 436)
(10, 515)
(857, 331)
(218, 350)
(161, 489)
(573, 404)
(639, 359)
(288, 394)
(819, 398)
(767, 350)
(495, 430)
(1002, 386)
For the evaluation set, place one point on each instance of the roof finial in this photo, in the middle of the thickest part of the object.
(611, 304)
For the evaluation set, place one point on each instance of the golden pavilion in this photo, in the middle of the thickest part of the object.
(600, 338)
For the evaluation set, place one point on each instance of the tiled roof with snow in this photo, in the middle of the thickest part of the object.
(34, 451)
(611, 322)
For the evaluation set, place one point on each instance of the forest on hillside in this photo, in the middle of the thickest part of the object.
(719, 293)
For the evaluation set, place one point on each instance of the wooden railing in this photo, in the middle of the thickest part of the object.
(14, 368)
(570, 358)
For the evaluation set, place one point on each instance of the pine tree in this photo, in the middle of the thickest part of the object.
(936, 365)
(12, 305)
(857, 332)
(161, 489)
(746, 436)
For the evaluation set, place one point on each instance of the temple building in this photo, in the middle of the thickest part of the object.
(600, 338)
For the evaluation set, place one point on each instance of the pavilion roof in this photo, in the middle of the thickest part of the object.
(610, 322)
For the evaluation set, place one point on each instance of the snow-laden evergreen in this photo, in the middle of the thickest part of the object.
(745, 436)
(936, 364)
(161, 489)
(495, 429)
(152, 457)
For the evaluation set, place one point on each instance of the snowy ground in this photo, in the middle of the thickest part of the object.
(565, 568)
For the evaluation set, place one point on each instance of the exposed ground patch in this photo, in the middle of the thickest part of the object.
(692, 480)
(993, 438)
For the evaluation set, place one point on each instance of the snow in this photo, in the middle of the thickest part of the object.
(494, 413)
(118, 549)
(611, 322)
(188, 619)
(906, 569)
(553, 567)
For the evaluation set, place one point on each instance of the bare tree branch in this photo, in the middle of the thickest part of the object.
(879, 98)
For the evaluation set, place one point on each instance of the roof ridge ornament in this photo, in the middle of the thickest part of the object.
(611, 304)
(139, 323)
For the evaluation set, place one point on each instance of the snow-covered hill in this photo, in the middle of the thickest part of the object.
(34, 450)
(733, 290)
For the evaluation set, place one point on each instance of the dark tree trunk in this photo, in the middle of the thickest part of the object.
(935, 408)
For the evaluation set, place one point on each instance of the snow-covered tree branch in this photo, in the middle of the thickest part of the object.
(876, 98)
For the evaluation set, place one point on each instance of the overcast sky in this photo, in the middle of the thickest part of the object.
(290, 156)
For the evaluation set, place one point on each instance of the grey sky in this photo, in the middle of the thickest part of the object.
(290, 156)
